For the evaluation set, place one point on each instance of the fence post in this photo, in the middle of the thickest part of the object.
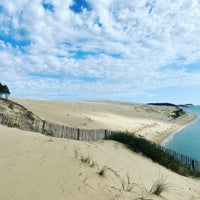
(78, 134)
(105, 134)
(43, 125)
(192, 164)
(2, 118)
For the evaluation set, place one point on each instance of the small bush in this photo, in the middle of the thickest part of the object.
(178, 113)
(29, 115)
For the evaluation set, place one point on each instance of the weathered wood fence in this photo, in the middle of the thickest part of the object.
(184, 159)
(53, 129)
(62, 131)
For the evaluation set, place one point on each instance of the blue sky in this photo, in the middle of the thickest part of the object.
(139, 51)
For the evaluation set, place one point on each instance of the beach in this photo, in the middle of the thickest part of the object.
(35, 166)
(170, 136)
(152, 122)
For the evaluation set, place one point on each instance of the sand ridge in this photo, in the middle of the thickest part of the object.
(153, 122)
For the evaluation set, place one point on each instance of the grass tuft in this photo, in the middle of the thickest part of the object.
(102, 171)
(87, 159)
(127, 183)
(159, 187)
(84, 158)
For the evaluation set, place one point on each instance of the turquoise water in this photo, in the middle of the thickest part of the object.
(187, 140)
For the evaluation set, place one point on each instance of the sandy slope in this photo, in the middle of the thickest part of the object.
(33, 166)
(153, 122)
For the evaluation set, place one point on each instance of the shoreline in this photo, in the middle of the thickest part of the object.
(176, 126)
(170, 137)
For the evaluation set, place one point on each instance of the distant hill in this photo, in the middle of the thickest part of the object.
(171, 104)
(186, 105)
(163, 104)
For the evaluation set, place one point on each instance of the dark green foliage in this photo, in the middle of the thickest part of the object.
(163, 104)
(4, 90)
(1, 89)
(178, 113)
(29, 115)
(153, 151)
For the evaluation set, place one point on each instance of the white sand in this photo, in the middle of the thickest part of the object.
(34, 166)
(153, 122)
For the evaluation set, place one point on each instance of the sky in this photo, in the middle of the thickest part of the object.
(136, 51)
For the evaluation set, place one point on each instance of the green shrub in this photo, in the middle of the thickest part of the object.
(153, 151)
(178, 113)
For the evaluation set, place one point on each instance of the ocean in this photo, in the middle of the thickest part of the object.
(186, 140)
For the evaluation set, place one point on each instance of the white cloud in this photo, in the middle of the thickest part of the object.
(127, 47)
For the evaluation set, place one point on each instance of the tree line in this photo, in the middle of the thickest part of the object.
(4, 90)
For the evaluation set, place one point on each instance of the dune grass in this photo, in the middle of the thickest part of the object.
(127, 184)
(159, 187)
(102, 171)
(151, 150)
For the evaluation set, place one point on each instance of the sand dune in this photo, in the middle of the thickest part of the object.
(34, 166)
(153, 122)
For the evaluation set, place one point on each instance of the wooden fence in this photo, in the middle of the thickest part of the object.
(184, 159)
(61, 131)
(53, 129)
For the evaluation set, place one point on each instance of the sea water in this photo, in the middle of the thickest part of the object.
(186, 140)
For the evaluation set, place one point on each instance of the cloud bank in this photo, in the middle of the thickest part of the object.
(104, 49)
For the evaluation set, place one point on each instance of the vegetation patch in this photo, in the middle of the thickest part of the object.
(102, 171)
(127, 184)
(4, 90)
(178, 113)
(153, 151)
(163, 104)
(84, 158)
(159, 187)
